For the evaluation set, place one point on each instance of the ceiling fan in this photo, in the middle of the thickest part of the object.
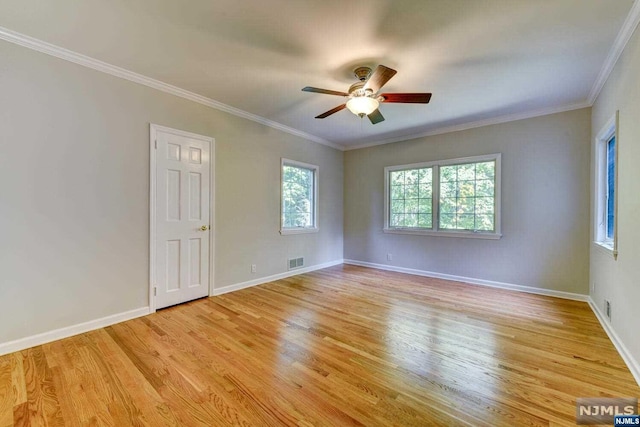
(364, 98)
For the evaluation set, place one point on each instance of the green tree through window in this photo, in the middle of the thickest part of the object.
(298, 195)
(454, 197)
(467, 196)
(411, 198)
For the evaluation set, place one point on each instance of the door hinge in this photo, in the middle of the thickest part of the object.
(155, 143)
(155, 291)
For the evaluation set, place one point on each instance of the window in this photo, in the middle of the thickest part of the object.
(611, 186)
(467, 196)
(299, 197)
(605, 186)
(458, 197)
(411, 198)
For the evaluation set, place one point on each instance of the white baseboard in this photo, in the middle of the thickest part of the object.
(250, 283)
(58, 334)
(473, 281)
(632, 364)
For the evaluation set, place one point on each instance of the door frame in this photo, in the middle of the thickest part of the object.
(153, 132)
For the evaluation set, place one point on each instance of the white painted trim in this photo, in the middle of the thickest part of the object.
(629, 26)
(58, 334)
(152, 216)
(609, 130)
(213, 229)
(604, 247)
(632, 364)
(95, 64)
(267, 279)
(299, 230)
(624, 35)
(473, 281)
(443, 233)
(153, 135)
(477, 124)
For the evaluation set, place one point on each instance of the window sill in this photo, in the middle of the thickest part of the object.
(606, 247)
(463, 234)
(301, 230)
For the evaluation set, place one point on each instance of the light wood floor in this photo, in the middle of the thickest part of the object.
(340, 346)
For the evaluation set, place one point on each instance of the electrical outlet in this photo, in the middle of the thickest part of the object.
(254, 268)
(389, 257)
(607, 308)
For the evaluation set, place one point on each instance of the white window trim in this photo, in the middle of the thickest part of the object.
(600, 239)
(300, 230)
(435, 231)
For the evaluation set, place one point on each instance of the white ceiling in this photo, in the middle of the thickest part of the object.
(481, 59)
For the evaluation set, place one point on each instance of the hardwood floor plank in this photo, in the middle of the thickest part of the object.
(343, 346)
(67, 408)
(6, 391)
(21, 415)
(42, 407)
(17, 379)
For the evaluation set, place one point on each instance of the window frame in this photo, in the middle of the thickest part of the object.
(608, 132)
(314, 228)
(435, 200)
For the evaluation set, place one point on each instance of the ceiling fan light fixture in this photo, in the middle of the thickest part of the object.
(364, 96)
(362, 105)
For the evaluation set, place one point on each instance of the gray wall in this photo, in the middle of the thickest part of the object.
(545, 200)
(619, 281)
(74, 191)
(74, 172)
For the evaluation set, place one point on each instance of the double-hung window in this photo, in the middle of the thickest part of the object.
(299, 197)
(457, 197)
(411, 198)
(605, 187)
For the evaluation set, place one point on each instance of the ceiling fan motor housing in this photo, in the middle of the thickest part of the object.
(362, 73)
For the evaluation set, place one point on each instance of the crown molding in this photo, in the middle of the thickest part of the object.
(628, 27)
(624, 35)
(477, 124)
(95, 64)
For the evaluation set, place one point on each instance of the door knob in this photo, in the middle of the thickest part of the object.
(204, 228)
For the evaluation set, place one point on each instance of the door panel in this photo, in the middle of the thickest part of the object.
(195, 262)
(172, 254)
(173, 195)
(182, 237)
(195, 196)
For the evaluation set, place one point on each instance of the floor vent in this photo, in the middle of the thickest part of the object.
(296, 263)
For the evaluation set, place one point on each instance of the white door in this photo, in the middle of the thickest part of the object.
(182, 228)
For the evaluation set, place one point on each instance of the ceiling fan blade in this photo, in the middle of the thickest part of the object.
(376, 117)
(380, 76)
(325, 91)
(330, 112)
(409, 98)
